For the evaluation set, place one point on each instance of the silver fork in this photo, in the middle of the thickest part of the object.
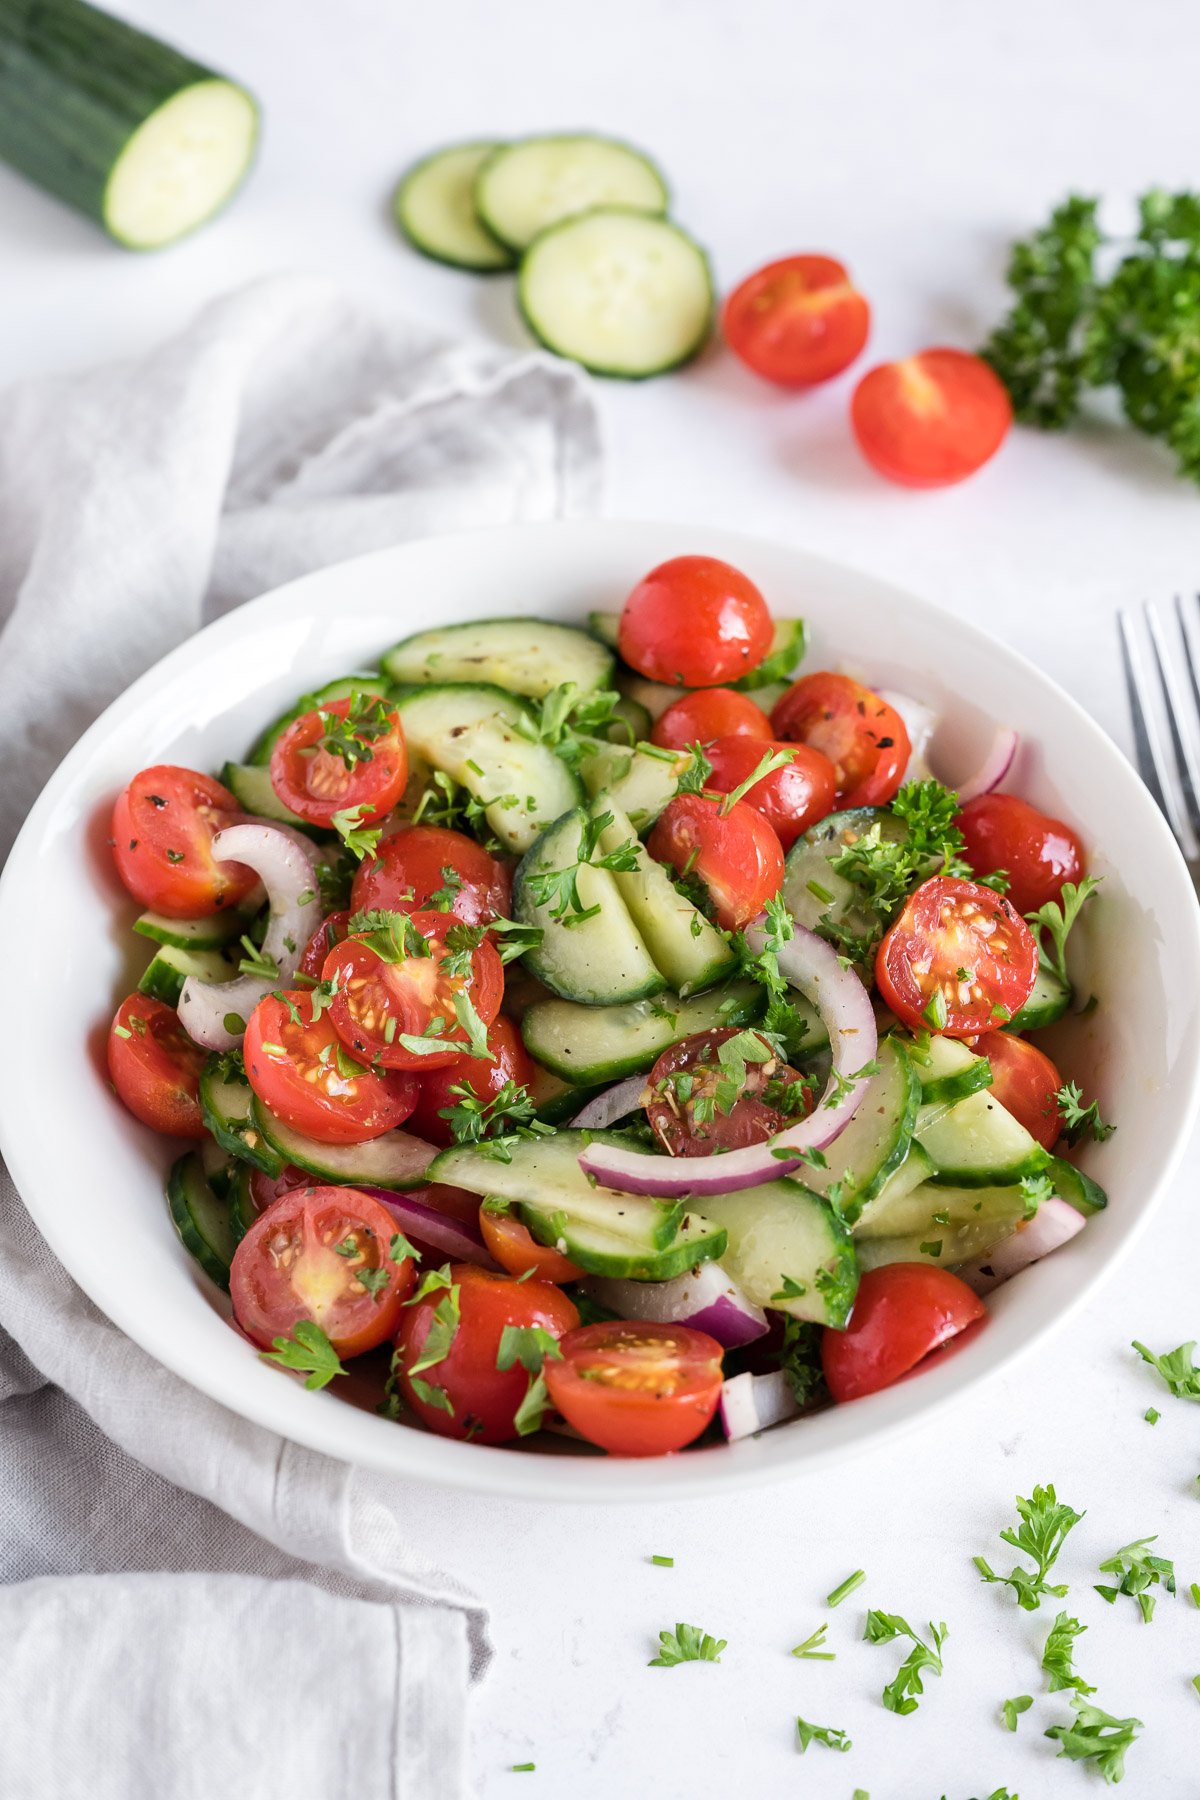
(1165, 707)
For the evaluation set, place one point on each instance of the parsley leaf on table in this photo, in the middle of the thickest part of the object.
(1045, 1522)
(1059, 1654)
(829, 1735)
(307, 1351)
(1096, 1737)
(687, 1643)
(901, 1694)
(1012, 1709)
(1139, 1570)
(1177, 1368)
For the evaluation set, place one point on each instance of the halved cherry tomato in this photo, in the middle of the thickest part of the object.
(300, 1071)
(377, 1000)
(1037, 853)
(735, 853)
(959, 959)
(863, 737)
(162, 831)
(1026, 1084)
(790, 798)
(698, 1105)
(155, 1067)
(901, 1312)
(797, 321)
(517, 1251)
(472, 1398)
(422, 862)
(329, 933)
(931, 419)
(306, 1257)
(368, 771)
(696, 622)
(707, 714)
(636, 1388)
(483, 1079)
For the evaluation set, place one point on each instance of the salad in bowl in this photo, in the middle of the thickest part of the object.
(613, 1029)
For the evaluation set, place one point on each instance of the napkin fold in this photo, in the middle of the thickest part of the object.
(172, 1571)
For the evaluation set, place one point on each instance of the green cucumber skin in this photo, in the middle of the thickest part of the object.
(232, 1123)
(183, 1174)
(75, 84)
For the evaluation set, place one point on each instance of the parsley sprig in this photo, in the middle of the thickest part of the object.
(1096, 1737)
(687, 1643)
(1045, 1522)
(307, 1351)
(1140, 1570)
(1059, 1654)
(1177, 1368)
(368, 718)
(529, 1345)
(1080, 1122)
(1055, 920)
(358, 838)
(902, 1694)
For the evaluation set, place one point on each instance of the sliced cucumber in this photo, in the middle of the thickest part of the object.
(1076, 1188)
(474, 733)
(200, 1218)
(931, 1211)
(1048, 1001)
(977, 1143)
(250, 785)
(876, 1141)
(555, 1101)
(521, 656)
(524, 187)
(242, 1210)
(599, 1044)
(915, 1169)
(435, 209)
(170, 967)
(812, 890)
(619, 292)
(785, 655)
(639, 779)
(781, 1235)
(635, 716)
(226, 1107)
(340, 689)
(949, 1071)
(194, 934)
(602, 960)
(601, 1230)
(656, 696)
(945, 1249)
(395, 1160)
(687, 951)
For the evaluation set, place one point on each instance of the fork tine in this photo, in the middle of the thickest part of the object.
(1177, 722)
(1189, 649)
(1149, 750)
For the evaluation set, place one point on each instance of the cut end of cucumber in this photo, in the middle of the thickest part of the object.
(435, 209)
(618, 291)
(524, 188)
(181, 165)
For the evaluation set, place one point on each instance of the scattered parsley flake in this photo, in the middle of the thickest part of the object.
(687, 1643)
(1080, 1122)
(845, 1588)
(811, 1651)
(1177, 1368)
(1012, 1709)
(1139, 1570)
(829, 1735)
(902, 1693)
(1059, 1653)
(1096, 1737)
(1045, 1522)
(307, 1351)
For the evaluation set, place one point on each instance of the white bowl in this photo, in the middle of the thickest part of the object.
(92, 1178)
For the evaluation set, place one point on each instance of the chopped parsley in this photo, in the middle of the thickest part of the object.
(663, 1562)
(768, 762)
(442, 1330)
(902, 1694)
(845, 1588)
(367, 719)
(1045, 1522)
(800, 1360)
(1096, 1737)
(1080, 1122)
(358, 838)
(687, 1643)
(308, 1351)
(529, 1345)
(558, 889)
(1177, 1368)
(829, 1735)
(1139, 1570)
(1059, 1654)
(810, 1650)
(1012, 1709)
(1054, 921)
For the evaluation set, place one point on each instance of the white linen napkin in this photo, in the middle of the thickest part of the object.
(170, 1568)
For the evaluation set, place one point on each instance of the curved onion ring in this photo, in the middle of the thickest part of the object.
(706, 1298)
(751, 1403)
(440, 1230)
(994, 768)
(1054, 1223)
(920, 721)
(603, 1110)
(813, 967)
(286, 863)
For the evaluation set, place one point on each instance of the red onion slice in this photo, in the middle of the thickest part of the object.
(994, 768)
(920, 721)
(751, 1403)
(1054, 1224)
(706, 1297)
(286, 861)
(813, 967)
(614, 1103)
(452, 1237)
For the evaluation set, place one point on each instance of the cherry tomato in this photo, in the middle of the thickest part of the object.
(863, 737)
(376, 1000)
(902, 1312)
(329, 933)
(790, 798)
(155, 1067)
(931, 419)
(707, 714)
(473, 1398)
(413, 866)
(697, 1105)
(162, 831)
(696, 622)
(636, 1388)
(305, 1258)
(484, 1080)
(1037, 853)
(960, 959)
(317, 782)
(797, 321)
(298, 1074)
(1026, 1083)
(517, 1251)
(736, 854)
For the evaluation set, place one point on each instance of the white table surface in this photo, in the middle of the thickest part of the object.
(914, 142)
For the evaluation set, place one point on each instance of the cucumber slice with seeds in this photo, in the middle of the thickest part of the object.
(194, 934)
(944, 1247)
(931, 1212)
(638, 778)
(619, 292)
(226, 1106)
(599, 1044)
(395, 1160)
(784, 1236)
(876, 1141)
(165, 975)
(689, 952)
(813, 891)
(523, 188)
(949, 1071)
(200, 1218)
(434, 207)
(977, 1143)
(521, 656)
